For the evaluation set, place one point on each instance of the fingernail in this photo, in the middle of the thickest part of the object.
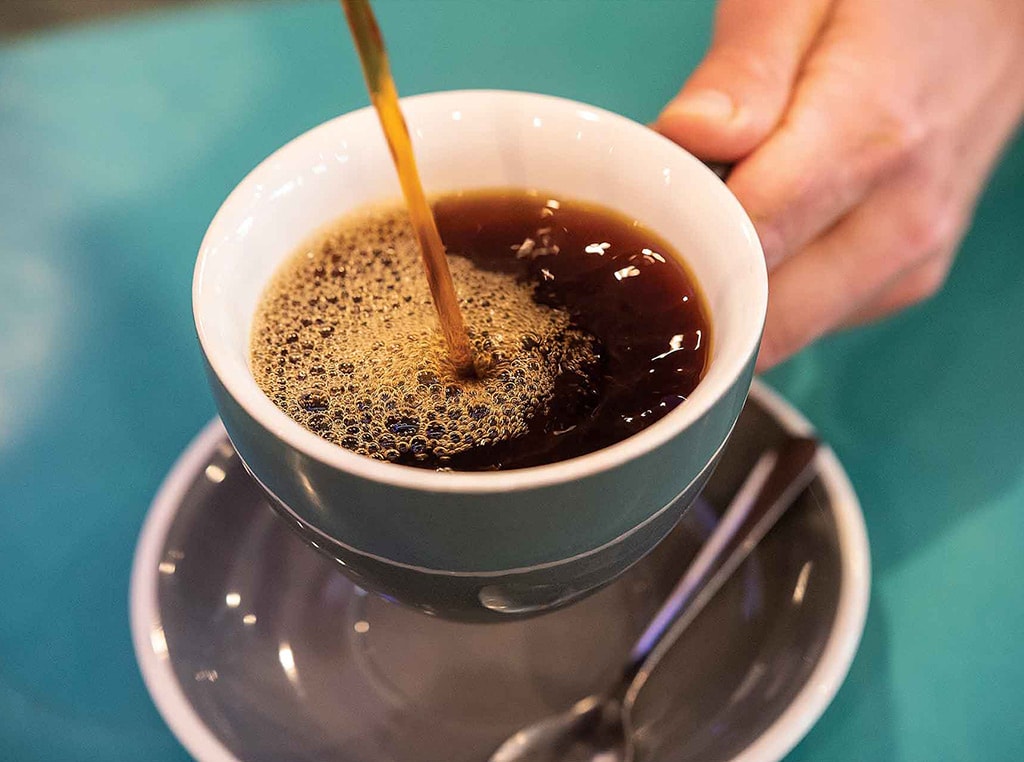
(712, 105)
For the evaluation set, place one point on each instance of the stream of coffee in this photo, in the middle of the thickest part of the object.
(384, 97)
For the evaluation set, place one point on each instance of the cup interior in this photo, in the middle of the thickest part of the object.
(471, 140)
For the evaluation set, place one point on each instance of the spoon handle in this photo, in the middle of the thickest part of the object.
(770, 488)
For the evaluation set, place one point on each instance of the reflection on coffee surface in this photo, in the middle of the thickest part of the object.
(586, 328)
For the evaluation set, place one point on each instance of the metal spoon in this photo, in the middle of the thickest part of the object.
(596, 729)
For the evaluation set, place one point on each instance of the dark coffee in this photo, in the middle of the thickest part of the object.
(586, 328)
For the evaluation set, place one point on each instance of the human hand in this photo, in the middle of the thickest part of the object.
(863, 132)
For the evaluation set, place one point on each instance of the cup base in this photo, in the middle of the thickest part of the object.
(497, 596)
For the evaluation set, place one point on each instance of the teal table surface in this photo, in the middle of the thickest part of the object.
(119, 141)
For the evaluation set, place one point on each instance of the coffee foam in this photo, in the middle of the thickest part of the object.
(345, 340)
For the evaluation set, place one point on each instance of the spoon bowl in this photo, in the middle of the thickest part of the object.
(592, 729)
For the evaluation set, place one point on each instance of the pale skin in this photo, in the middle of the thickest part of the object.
(862, 133)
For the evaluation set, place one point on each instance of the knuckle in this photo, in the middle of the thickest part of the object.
(928, 231)
(754, 67)
(927, 281)
(885, 124)
(894, 142)
(903, 131)
(918, 235)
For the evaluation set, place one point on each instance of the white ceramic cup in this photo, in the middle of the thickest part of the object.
(477, 545)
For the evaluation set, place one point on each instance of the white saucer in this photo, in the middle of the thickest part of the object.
(254, 647)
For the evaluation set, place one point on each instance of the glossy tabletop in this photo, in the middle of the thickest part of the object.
(119, 141)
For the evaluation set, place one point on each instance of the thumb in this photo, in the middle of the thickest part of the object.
(739, 92)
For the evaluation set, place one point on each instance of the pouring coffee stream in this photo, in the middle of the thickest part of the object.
(384, 96)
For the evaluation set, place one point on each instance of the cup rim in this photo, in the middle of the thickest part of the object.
(257, 405)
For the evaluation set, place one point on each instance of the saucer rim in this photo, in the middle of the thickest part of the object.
(151, 652)
(807, 707)
(785, 732)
